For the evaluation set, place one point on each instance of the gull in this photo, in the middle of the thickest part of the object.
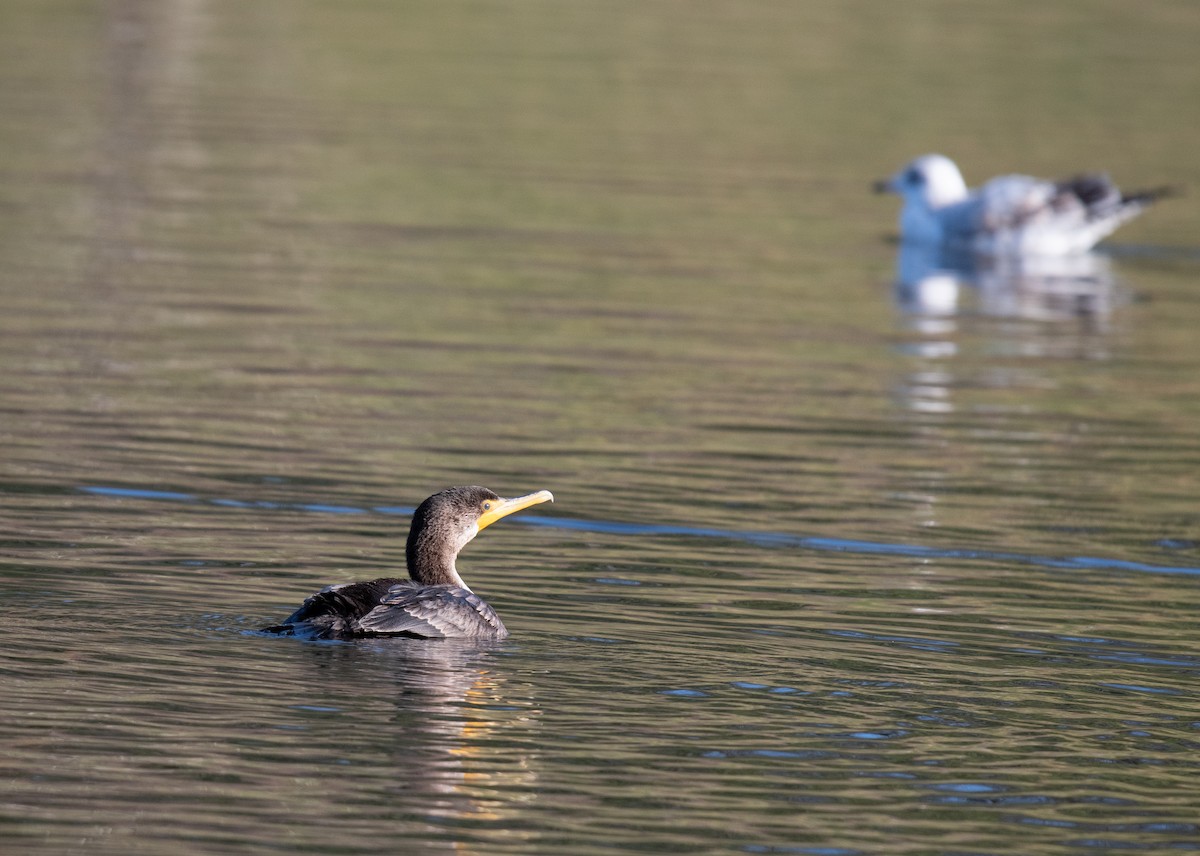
(1011, 214)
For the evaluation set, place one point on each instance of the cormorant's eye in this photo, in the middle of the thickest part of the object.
(487, 505)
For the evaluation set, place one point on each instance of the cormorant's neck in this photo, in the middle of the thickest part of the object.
(431, 562)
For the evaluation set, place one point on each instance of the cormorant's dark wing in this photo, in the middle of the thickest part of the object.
(434, 612)
(334, 611)
(348, 599)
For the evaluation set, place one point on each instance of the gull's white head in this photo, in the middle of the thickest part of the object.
(932, 181)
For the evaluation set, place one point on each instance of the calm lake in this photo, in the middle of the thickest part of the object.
(843, 561)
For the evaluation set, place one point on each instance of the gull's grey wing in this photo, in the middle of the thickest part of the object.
(434, 612)
(1013, 201)
(1019, 212)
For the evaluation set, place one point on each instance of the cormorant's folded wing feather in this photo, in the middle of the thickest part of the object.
(434, 612)
(346, 600)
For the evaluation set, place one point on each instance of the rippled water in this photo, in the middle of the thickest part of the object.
(842, 561)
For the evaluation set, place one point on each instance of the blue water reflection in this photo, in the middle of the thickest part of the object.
(765, 539)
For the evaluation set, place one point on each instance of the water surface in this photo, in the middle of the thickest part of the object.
(830, 570)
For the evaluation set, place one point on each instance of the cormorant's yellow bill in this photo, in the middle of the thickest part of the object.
(494, 509)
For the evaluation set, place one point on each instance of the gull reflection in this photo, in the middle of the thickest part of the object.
(1019, 306)
(985, 341)
(934, 282)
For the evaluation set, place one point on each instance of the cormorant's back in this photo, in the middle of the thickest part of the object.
(393, 607)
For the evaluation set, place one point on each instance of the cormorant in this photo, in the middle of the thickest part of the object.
(435, 603)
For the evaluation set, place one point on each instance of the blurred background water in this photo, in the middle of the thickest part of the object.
(843, 561)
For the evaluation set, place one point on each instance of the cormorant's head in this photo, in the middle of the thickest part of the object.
(446, 522)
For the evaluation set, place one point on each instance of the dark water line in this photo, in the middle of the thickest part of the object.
(766, 539)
